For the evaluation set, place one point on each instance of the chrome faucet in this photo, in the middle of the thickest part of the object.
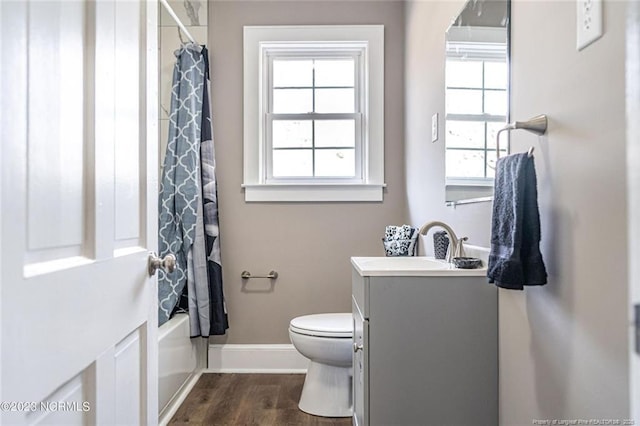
(456, 247)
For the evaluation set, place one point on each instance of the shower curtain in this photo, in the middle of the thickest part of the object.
(188, 219)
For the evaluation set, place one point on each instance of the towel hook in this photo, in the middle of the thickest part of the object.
(537, 125)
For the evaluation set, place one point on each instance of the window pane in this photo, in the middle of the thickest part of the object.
(292, 163)
(335, 100)
(469, 164)
(335, 72)
(336, 133)
(495, 102)
(495, 75)
(292, 73)
(465, 134)
(464, 101)
(464, 74)
(291, 134)
(292, 100)
(492, 131)
(335, 163)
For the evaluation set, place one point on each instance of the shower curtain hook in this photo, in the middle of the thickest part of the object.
(180, 35)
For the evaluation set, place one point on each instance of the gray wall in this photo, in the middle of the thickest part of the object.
(568, 341)
(563, 347)
(309, 244)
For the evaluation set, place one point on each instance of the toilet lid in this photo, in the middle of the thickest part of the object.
(324, 325)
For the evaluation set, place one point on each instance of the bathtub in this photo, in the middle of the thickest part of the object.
(180, 363)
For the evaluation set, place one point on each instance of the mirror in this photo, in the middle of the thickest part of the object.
(477, 98)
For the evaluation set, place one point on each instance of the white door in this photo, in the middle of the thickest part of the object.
(78, 211)
(633, 175)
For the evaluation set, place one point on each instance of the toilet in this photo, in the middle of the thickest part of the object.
(327, 341)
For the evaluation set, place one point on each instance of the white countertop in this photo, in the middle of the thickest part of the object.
(419, 266)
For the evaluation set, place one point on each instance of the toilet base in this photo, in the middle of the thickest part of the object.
(327, 391)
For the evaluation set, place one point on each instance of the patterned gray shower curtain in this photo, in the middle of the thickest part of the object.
(188, 219)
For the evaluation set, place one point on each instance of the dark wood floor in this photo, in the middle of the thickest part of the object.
(248, 399)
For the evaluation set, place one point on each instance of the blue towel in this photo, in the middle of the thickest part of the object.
(515, 259)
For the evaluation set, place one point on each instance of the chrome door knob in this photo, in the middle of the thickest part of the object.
(357, 347)
(168, 264)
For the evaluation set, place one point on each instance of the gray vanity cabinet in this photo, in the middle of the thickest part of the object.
(425, 350)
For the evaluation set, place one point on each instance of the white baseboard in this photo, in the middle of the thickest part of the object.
(172, 407)
(256, 359)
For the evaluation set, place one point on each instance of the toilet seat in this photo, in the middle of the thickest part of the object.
(323, 325)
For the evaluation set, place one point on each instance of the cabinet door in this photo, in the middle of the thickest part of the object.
(360, 368)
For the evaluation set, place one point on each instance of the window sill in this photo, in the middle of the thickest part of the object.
(313, 193)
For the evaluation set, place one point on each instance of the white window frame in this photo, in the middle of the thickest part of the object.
(261, 45)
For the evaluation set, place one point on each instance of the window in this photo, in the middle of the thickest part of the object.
(313, 100)
(476, 108)
(313, 116)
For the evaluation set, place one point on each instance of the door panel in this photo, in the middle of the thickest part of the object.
(360, 368)
(127, 131)
(79, 172)
(128, 365)
(55, 152)
(61, 407)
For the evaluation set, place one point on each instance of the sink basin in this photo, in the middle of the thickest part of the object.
(419, 266)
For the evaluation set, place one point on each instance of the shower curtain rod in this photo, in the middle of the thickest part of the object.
(180, 24)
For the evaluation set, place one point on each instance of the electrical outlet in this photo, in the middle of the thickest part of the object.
(434, 127)
(588, 22)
